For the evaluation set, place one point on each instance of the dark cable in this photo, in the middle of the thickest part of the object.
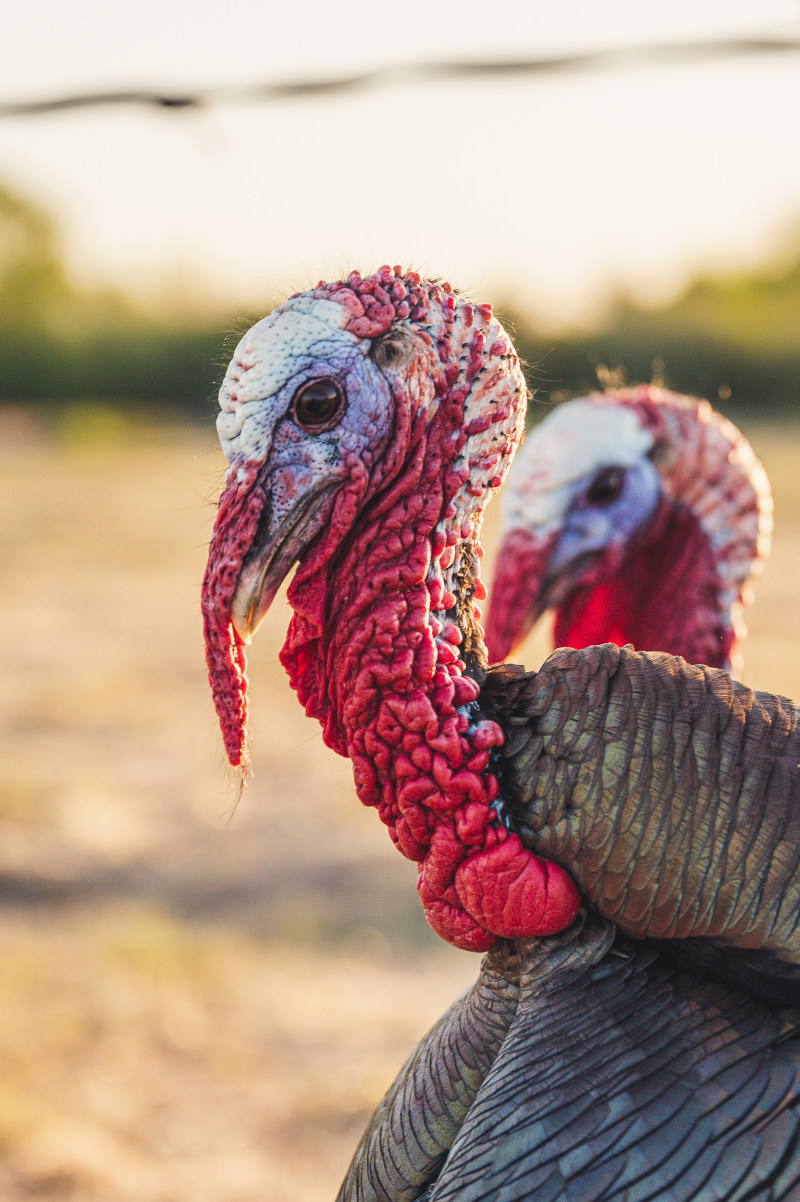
(591, 60)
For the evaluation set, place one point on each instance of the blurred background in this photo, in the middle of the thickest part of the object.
(201, 1000)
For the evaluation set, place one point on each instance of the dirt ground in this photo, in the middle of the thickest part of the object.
(199, 1002)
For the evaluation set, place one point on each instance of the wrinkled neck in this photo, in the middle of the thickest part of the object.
(395, 630)
(378, 619)
(666, 595)
(714, 474)
(386, 650)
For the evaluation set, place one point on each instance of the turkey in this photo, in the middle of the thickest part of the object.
(641, 517)
(619, 831)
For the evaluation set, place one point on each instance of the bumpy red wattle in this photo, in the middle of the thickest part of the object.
(515, 894)
(452, 923)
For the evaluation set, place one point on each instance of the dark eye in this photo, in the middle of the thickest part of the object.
(607, 486)
(319, 405)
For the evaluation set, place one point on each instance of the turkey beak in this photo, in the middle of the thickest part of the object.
(518, 596)
(274, 552)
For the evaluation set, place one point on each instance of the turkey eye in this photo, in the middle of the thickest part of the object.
(318, 405)
(606, 487)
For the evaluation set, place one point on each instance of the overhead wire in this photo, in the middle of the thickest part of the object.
(606, 58)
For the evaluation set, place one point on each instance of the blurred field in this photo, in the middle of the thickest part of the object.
(199, 1003)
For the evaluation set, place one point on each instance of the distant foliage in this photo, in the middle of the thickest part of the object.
(61, 343)
(732, 339)
(32, 280)
(735, 340)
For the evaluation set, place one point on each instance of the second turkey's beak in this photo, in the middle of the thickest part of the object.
(276, 548)
(516, 597)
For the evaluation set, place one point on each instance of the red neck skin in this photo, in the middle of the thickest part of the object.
(374, 651)
(664, 596)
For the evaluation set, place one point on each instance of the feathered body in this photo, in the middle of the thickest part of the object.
(640, 516)
(366, 423)
(585, 1067)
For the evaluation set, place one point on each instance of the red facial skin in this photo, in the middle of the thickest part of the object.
(663, 597)
(373, 645)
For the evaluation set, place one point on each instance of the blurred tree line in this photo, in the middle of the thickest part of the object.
(62, 343)
(733, 339)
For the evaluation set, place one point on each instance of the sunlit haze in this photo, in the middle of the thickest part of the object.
(551, 190)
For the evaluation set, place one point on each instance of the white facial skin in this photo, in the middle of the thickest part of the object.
(572, 443)
(272, 361)
(584, 472)
(595, 524)
(261, 423)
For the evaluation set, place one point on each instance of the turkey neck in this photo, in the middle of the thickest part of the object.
(665, 596)
(404, 661)
(393, 672)
(400, 654)
(383, 645)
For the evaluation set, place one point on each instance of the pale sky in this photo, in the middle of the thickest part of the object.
(554, 190)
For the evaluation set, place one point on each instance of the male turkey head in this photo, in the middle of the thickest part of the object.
(366, 423)
(360, 397)
(639, 516)
(584, 484)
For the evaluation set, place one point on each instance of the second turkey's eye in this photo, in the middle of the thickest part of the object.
(319, 405)
(607, 486)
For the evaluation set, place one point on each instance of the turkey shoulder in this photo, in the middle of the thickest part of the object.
(669, 791)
